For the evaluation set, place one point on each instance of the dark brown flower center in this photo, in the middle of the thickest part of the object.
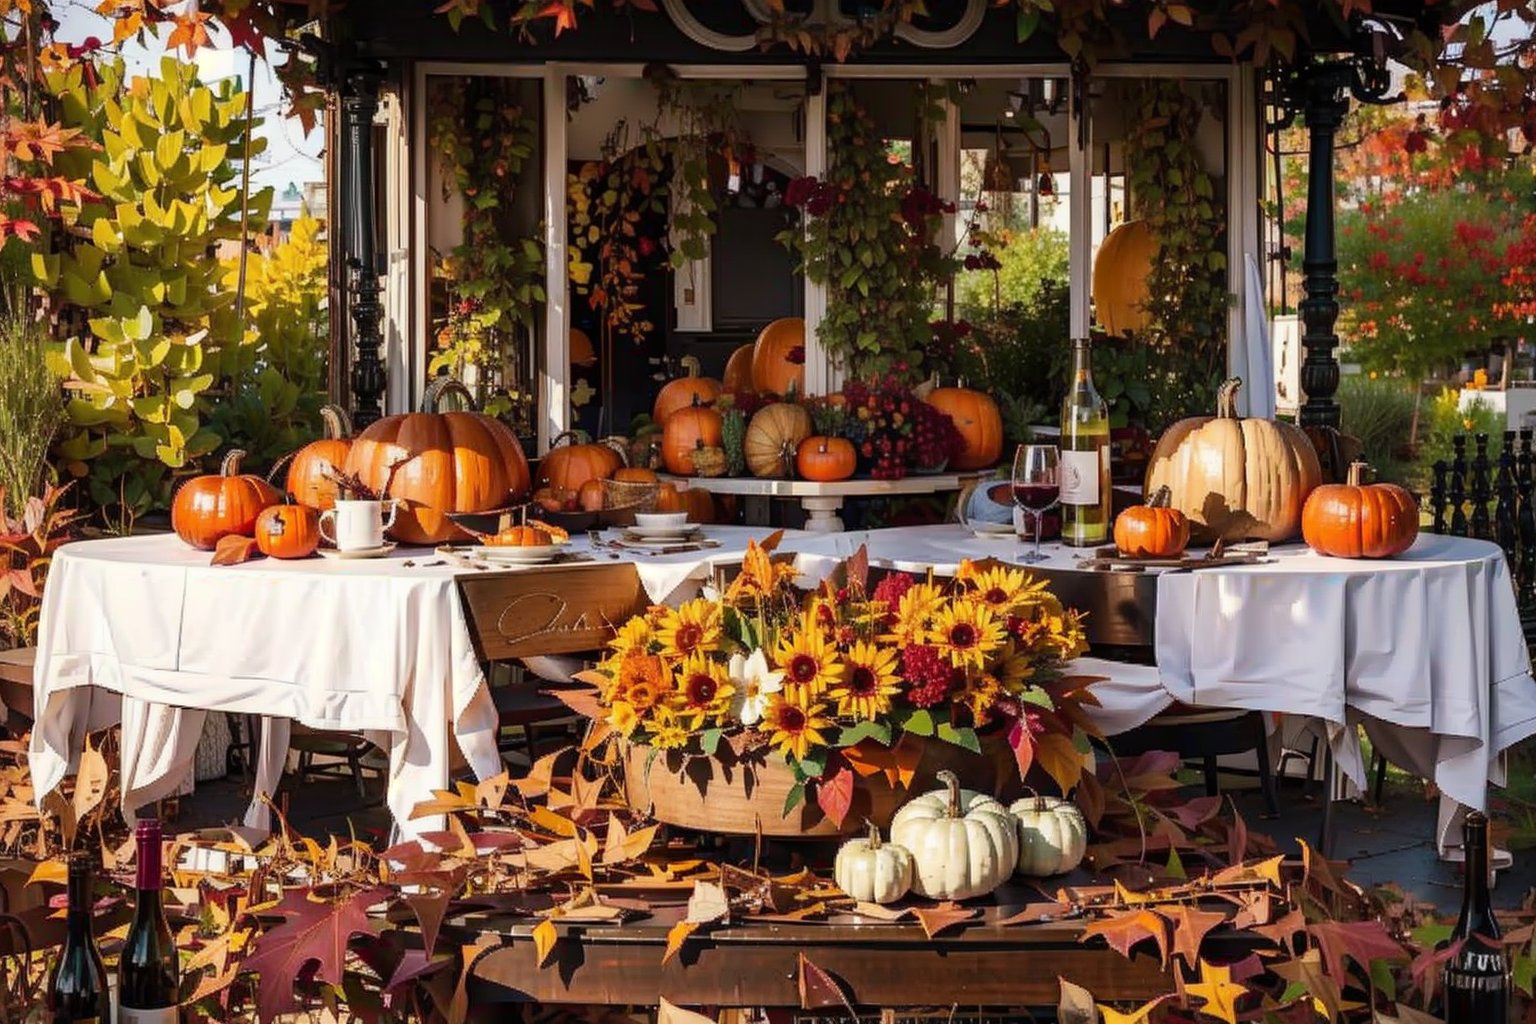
(688, 636)
(997, 596)
(791, 718)
(702, 689)
(803, 668)
(862, 682)
(962, 635)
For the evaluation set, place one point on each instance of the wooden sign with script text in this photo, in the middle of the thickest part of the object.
(553, 610)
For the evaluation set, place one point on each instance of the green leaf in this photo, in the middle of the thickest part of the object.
(1176, 864)
(709, 741)
(1028, 21)
(1383, 978)
(919, 722)
(961, 737)
(880, 732)
(795, 798)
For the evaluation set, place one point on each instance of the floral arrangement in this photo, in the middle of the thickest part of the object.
(839, 679)
(894, 431)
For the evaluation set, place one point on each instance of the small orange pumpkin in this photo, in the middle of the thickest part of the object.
(684, 391)
(520, 537)
(1152, 530)
(669, 498)
(288, 531)
(979, 421)
(1360, 520)
(307, 480)
(699, 504)
(591, 496)
(635, 475)
(826, 458)
(738, 370)
(687, 430)
(778, 357)
(208, 508)
(571, 464)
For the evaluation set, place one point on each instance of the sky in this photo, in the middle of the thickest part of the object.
(290, 156)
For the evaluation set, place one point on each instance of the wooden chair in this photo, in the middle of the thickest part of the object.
(16, 687)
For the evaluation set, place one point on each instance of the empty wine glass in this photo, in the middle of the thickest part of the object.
(1036, 486)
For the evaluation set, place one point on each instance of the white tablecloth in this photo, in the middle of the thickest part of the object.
(142, 630)
(1426, 649)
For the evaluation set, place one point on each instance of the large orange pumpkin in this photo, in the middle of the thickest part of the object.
(1238, 479)
(209, 508)
(1360, 520)
(980, 423)
(1120, 270)
(288, 531)
(687, 430)
(738, 370)
(436, 463)
(778, 357)
(571, 464)
(307, 480)
(684, 391)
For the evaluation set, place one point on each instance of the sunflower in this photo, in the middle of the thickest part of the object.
(667, 730)
(980, 693)
(794, 726)
(703, 693)
(999, 587)
(869, 682)
(1013, 669)
(695, 626)
(623, 718)
(634, 635)
(808, 660)
(966, 632)
(642, 681)
(913, 613)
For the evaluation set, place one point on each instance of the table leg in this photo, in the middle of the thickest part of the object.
(1330, 794)
(822, 513)
(271, 753)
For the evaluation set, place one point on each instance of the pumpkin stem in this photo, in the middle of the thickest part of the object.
(442, 386)
(691, 364)
(874, 834)
(952, 783)
(338, 425)
(1357, 471)
(1161, 498)
(568, 436)
(231, 464)
(1226, 398)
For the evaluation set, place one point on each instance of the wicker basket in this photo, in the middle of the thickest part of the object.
(630, 494)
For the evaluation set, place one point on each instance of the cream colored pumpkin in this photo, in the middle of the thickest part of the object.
(773, 439)
(1239, 479)
(963, 843)
(1053, 835)
(872, 871)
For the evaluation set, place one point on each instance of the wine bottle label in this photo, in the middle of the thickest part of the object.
(161, 1015)
(1079, 478)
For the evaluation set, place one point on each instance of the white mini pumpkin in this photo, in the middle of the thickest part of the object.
(872, 871)
(1053, 835)
(963, 843)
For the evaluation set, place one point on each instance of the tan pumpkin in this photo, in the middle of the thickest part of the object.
(436, 463)
(826, 459)
(773, 439)
(1120, 271)
(686, 431)
(570, 463)
(1235, 478)
(684, 391)
(207, 509)
(778, 357)
(979, 421)
(307, 478)
(738, 370)
(1360, 520)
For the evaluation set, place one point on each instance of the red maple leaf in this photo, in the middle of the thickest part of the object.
(312, 931)
(834, 793)
(1124, 929)
(1361, 941)
(244, 32)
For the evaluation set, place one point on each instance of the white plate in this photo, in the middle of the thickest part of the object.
(526, 554)
(378, 552)
(684, 532)
(982, 528)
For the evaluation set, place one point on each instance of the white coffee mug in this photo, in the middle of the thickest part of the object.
(357, 525)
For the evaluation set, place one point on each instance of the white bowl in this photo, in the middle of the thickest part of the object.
(661, 520)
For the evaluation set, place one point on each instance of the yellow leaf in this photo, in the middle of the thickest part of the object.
(52, 871)
(549, 821)
(1136, 1016)
(1219, 991)
(545, 936)
(677, 936)
(667, 1013)
(584, 855)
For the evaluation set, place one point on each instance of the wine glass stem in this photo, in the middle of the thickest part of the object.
(1039, 528)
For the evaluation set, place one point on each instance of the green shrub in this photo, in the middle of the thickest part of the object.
(1033, 265)
(1444, 420)
(1379, 412)
(32, 409)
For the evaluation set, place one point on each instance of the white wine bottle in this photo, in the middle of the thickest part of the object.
(1085, 489)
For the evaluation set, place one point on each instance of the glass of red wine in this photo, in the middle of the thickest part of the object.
(1036, 486)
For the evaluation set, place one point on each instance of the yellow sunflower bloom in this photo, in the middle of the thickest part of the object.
(1013, 670)
(980, 693)
(999, 587)
(643, 680)
(622, 718)
(794, 726)
(966, 633)
(634, 635)
(808, 659)
(869, 682)
(704, 692)
(667, 730)
(692, 628)
(914, 612)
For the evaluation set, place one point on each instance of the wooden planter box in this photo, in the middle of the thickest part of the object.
(745, 796)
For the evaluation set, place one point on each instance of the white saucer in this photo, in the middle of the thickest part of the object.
(527, 554)
(686, 532)
(378, 552)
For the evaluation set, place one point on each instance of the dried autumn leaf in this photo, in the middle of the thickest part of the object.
(667, 1013)
(1056, 753)
(676, 936)
(90, 781)
(819, 989)
(545, 935)
(943, 916)
(1124, 929)
(1219, 991)
(708, 903)
(1361, 941)
(1189, 928)
(233, 550)
(1076, 1004)
(429, 909)
(834, 794)
(312, 932)
(1307, 971)
(1136, 1016)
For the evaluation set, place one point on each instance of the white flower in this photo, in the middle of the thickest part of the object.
(753, 684)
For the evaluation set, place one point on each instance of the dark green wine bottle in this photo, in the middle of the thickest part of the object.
(77, 990)
(1477, 977)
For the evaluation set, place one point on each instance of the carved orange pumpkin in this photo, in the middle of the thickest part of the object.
(738, 370)
(773, 438)
(686, 430)
(1360, 520)
(570, 464)
(435, 463)
(288, 531)
(1241, 479)
(1152, 530)
(307, 480)
(826, 458)
(209, 508)
(980, 423)
(778, 357)
(684, 391)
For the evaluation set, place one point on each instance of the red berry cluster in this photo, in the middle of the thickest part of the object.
(929, 676)
(895, 431)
